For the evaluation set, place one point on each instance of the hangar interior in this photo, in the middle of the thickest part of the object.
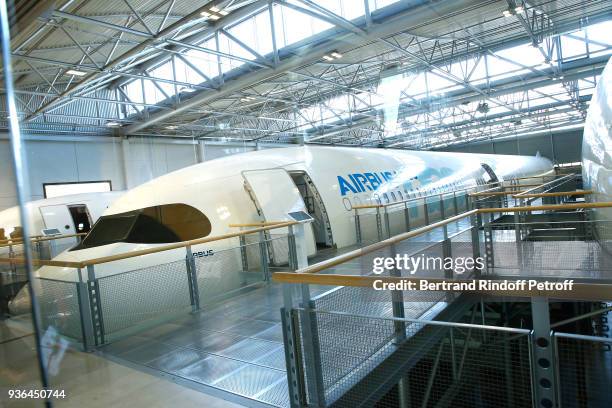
(126, 100)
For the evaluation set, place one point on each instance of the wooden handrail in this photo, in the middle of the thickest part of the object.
(397, 238)
(42, 262)
(366, 206)
(580, 290)
(256, 224)
(133, 254)
(40, 239)
(529, 208)
(557, 194)
(321, 265)
(568, 177)
(183, 244)
(380, 245)
(493, 193)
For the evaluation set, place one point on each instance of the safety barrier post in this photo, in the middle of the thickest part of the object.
(95, 305)
(544, 380)
(263, 253)
(387, 225)
(312, 357)
(488, 236)
(357, 226)
(291, 337)
(426, 211)
(379, 225)
(87, 326)
(475, 239)
(192, 280)
(243, 253)
(455, 204)
(443, 216)
(406, 216)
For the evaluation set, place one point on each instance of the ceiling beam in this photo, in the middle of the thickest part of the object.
(315, 54)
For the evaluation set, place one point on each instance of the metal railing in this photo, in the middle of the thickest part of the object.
(107, 298)
(374, 222)
(354, 345)
(582, 372)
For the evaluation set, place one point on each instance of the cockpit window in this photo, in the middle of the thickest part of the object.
(162, 224)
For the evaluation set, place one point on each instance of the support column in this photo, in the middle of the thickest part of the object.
(543, 379)
(125, 156)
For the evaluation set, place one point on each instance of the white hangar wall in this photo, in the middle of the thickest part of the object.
(126, 163)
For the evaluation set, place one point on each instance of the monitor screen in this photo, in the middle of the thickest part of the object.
(300, 216)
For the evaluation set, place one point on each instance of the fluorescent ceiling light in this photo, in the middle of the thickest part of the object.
(327, 58)
(336, 54)
(113, 124)
(214, 17)
(205, 14)
(507, 13)
(519, 9)
(75, 72)
(224, 12)
(215, 9)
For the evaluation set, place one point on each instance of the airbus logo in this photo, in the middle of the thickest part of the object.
(360, 182)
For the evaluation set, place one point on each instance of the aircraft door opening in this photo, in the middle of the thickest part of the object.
(275, 195)
(80, 217)
(58, 216)
(490, 176)
(315, 207)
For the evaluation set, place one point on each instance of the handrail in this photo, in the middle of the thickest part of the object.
(568, 177)
(133, 254)
(603, 204)
(256, 224)
(38, 239)
(557, 194)
(397, 238)
(379, 245)
(580, 290)
(43, 262)
(493, 193)
(550, 175)
(321, 265)
(366, 206)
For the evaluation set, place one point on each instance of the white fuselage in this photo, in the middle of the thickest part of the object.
(54, 213)
(597, 154)
(344, 177)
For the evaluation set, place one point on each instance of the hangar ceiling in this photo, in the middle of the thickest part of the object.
(405, 74)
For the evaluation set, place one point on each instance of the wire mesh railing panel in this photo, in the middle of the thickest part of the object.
(397, 220)
(59, 306)
(461, 248)
(363, 357)
(126, 299)
(434, 208)
(369, 224)
(279, 244)
(550, 251)
(346, 344)
(222, 274)
(251, 253)
(584, 372)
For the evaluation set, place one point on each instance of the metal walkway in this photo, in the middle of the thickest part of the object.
(237, 345)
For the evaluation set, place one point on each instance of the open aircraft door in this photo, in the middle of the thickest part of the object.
(275, 194)
(58, 216)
